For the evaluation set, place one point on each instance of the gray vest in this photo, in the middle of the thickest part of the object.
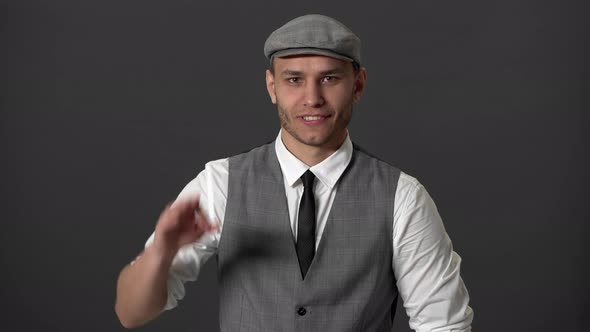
(350, 284)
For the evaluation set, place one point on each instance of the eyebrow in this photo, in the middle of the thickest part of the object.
(331, 71)
(289, 72)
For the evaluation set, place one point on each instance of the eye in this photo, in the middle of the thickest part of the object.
(293, 80)
(329, 78)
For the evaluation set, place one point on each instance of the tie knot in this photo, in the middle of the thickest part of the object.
(307, 179)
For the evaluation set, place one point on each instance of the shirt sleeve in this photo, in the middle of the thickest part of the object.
(425, 266)
(211, 186)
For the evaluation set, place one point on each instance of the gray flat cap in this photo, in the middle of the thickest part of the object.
(314, 34)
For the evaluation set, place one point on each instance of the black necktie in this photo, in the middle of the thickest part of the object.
(306, 224)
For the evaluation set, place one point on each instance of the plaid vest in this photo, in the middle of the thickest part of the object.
(350, 285)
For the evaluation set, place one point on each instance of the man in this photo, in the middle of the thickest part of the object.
(310, 232)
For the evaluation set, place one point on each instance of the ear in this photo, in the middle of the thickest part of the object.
(270, 86)
(359, 83)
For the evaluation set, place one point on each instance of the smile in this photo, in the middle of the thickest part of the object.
(314, 119)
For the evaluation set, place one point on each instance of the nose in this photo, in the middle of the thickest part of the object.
(313, 95)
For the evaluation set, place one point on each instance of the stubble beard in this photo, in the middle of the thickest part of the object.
(341, 123)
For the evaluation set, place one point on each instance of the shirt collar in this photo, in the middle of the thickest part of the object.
(328, 171)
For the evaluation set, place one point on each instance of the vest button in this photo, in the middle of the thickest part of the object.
(301, 311)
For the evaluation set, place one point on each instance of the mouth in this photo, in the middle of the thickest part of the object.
(313, 119)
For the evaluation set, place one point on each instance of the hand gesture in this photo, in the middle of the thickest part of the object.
(179, 224)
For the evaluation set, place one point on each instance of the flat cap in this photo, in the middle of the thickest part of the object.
(314, 34)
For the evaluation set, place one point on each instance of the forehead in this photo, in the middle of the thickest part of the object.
(310, 63)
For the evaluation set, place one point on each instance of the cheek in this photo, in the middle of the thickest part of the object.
(342, 100)
(286, 100)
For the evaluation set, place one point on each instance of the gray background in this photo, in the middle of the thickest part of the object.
(108, 108)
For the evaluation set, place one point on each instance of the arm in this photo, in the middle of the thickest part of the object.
(426, 268)
(142, 286)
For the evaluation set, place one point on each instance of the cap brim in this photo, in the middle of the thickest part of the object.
(306, 51)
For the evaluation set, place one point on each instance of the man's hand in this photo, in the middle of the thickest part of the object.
(179, 224)
(142, 286)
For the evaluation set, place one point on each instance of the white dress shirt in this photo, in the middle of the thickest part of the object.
(424, 264)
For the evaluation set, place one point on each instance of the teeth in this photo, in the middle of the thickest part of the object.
(311, 118)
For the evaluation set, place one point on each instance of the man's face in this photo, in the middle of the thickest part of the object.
(314, 97)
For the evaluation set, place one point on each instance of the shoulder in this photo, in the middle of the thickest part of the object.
(214, 177)
(408, 185)
(253, 159)
(364, 156)
(253, 154)
(372, 168)
(214, 174)
(412, 197)
(216, 168)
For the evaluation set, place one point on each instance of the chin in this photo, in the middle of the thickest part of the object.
(317, 141)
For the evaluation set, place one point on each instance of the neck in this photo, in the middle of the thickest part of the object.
(311, 155)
